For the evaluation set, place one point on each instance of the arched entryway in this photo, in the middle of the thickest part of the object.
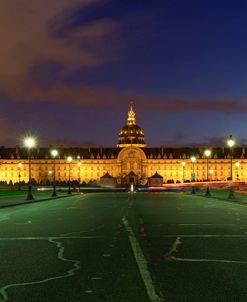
(131, 160)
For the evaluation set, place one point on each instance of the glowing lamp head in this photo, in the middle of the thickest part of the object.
(29, 142)
(79, 164)
(211, 171)
(183, 163)
(237, 164)
(54, 152)
(230, 142)
(69, 159)
(193, 159)
(78, 157)
(207, 152)
(50, 172)
(19, 165)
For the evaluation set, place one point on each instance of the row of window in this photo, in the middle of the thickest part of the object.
(47, 168)
(195, 168)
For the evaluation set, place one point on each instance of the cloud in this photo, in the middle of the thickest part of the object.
(35, 32)
(7, 132)
(181, 139)
(42, 42)
(82, 96)
(193, 104)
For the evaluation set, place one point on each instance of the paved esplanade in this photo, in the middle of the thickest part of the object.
(123, 247)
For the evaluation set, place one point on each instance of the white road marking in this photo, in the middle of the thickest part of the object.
(86, 231)
(4, 217)
(141, 263)
(69, 273)
(173, 249)
(207, 260)
(169, 257)
(48, 238)
(28, 222)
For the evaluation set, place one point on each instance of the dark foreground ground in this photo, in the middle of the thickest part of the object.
(122, 247)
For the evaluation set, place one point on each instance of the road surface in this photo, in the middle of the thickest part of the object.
(124, 247)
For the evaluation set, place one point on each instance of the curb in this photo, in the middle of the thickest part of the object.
(222, 198)
(33, 201)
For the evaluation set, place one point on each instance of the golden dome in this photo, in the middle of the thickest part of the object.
(131, 134)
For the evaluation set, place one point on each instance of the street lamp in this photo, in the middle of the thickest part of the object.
(54, 153)
(48, 177)
(237, 164)
(69, 160)
(193, 159)
(230, 143)
(207, 153)
(79, 173)
(19, 176)
(211, 173)
(183, 163)
(29, 143)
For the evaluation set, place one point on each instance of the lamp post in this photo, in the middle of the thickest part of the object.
(207, 153)
(183, 163)
(193, 159)
(19, 176)
(54, 153)
(29, 143)
(230, 143)
(79, 173)
(237, 164)
(69, 160)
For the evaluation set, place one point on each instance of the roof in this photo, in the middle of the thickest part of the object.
(132, 174)
(106, 175)
(156, 175)
(112, 153)
(63, 153)
(198, 152)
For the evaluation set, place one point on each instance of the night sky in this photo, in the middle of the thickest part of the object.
(68, 69)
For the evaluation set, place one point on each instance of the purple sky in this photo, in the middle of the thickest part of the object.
(69, 67)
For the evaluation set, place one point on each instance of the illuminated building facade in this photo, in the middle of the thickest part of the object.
(131, 161)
